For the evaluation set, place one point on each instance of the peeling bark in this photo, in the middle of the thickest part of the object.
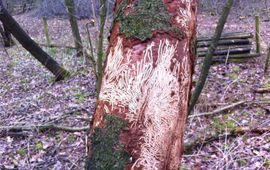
(146, 83)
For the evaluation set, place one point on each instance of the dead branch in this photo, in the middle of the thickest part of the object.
(56, 46)
(208, 137)
(262, 90)
(231, 106)
(43, 128)
(219, 110)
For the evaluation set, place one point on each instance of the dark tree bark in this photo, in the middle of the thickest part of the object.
(74, 26)
(6, 36)
(143, 102)
(14, 28)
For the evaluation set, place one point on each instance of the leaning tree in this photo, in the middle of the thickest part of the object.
(30, 45)
(143, 101)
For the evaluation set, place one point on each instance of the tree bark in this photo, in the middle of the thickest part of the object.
(74, 26)
(6, 36)
(14, 28)
(143, 102)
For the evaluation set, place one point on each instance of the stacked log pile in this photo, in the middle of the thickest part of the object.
(234, 46)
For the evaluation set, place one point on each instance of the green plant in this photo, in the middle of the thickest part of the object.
(21, 152)
(39, 146)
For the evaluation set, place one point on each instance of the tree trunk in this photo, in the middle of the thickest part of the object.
(74, 26)
(143, 101)
(6, 36)
(209, 56)
(14, 28)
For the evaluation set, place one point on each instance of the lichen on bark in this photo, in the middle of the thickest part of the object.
(108, 152)
(145, 17)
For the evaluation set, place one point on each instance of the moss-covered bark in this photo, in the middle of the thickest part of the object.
(139, 25)
(108, 152)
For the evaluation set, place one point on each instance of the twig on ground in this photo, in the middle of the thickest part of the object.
(219, 110)
(262, 90)
(231, 106)
(203, 139)
(44, 127)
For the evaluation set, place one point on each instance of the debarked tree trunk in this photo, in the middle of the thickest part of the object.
(143, 103)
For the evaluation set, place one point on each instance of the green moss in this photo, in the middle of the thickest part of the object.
(108, 153)
(145, 17)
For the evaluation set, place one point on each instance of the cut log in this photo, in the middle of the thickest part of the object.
(224, 47)
(225, 42)
(228, 51)
(235, 57)
(226, 36)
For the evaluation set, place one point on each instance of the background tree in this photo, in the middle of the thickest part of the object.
(208, 58)
(74, 26)
(143, 101)
(30, 45)
(6, 36)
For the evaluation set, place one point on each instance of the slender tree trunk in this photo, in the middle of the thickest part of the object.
(208, 57)
(6, 36)
(74, 26)
(143, 101)
(100, 53)
(14, 28)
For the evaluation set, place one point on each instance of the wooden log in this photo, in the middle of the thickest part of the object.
(224, 47)
(234, 57)
(228, 51)
(234, 35)
(225, 42)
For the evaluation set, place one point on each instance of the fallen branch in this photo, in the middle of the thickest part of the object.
(231, 106)
(262, 90)
(43, 128)
(56, 46)
(208, 137)
(219, 110)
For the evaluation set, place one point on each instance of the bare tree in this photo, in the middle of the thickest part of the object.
(143, 102)
(74, 26)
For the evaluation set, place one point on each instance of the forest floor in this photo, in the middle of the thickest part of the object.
(30, 97)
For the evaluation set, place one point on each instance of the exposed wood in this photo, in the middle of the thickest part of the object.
(211, 135)
(145, 89)
(258, 34)
(233, 35)
(13, 27)
(225, 52)
(209, 56)
(43, 128)
(225, 42)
